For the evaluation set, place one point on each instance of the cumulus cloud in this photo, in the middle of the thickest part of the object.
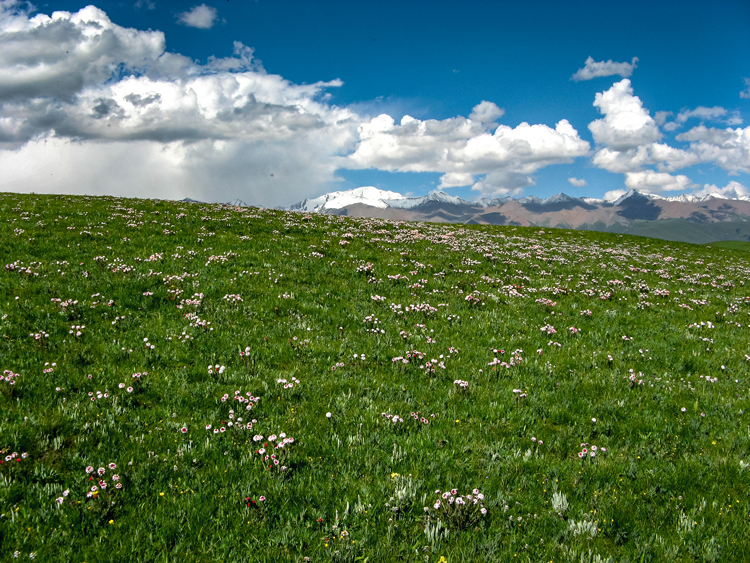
(456, 179)
(628, 140)
(596, 69)
(486, 112)
(578, 182)
(57, 56)
(459, 147)
(201, 17)
(664, 157)
(651, 182)
(77, 84)
(626, 123)
(715, 113)
(702, 113)
(733, 190)
(728, 148)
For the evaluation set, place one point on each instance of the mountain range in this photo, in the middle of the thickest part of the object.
(684, 218)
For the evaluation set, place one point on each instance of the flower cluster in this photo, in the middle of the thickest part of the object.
(250, 502)
(282, 441)
(515, 359)
(425, 308)
(15, 456)
(290, 384)
(458, 511)
(98, 477)
(417, 416)
(77, 330)
(590, 451)
(95, 395)
(216, 369)
(9, 377)
(461, 384)
(634, 379)
(235, 422)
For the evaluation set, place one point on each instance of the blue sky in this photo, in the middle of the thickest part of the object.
(274, 101)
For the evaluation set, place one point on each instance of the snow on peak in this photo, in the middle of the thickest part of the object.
(366, 195)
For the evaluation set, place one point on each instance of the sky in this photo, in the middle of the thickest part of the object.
(274, 101)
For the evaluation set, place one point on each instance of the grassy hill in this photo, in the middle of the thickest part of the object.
(681, 230)
(189, 382)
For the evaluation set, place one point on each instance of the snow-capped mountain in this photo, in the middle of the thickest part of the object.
(437, 197)
(366, 195)
(683, 217)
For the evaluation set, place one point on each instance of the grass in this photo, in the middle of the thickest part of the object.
(130, 326)
(732, 245)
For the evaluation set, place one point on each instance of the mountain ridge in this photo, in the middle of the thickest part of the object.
(684, 217)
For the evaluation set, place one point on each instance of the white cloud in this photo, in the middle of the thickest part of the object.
(706, 114)
(664, 157)
(78, 85)
(661, 116)
(486, 112)
(702, 113)
(746, 92)
(261, 173)
(456, 180)
(578, 182)
(614, 195)
(728, 148)
(202, 17)
(57, 56)
(461, 147)
(626, 124)
(732, 190)
(596, 69)
(652, 182)
(628, 142)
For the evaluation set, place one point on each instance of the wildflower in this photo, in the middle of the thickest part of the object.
(328, 415)
(183, 429)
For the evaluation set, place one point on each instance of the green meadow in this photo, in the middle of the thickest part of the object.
(188, 382)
